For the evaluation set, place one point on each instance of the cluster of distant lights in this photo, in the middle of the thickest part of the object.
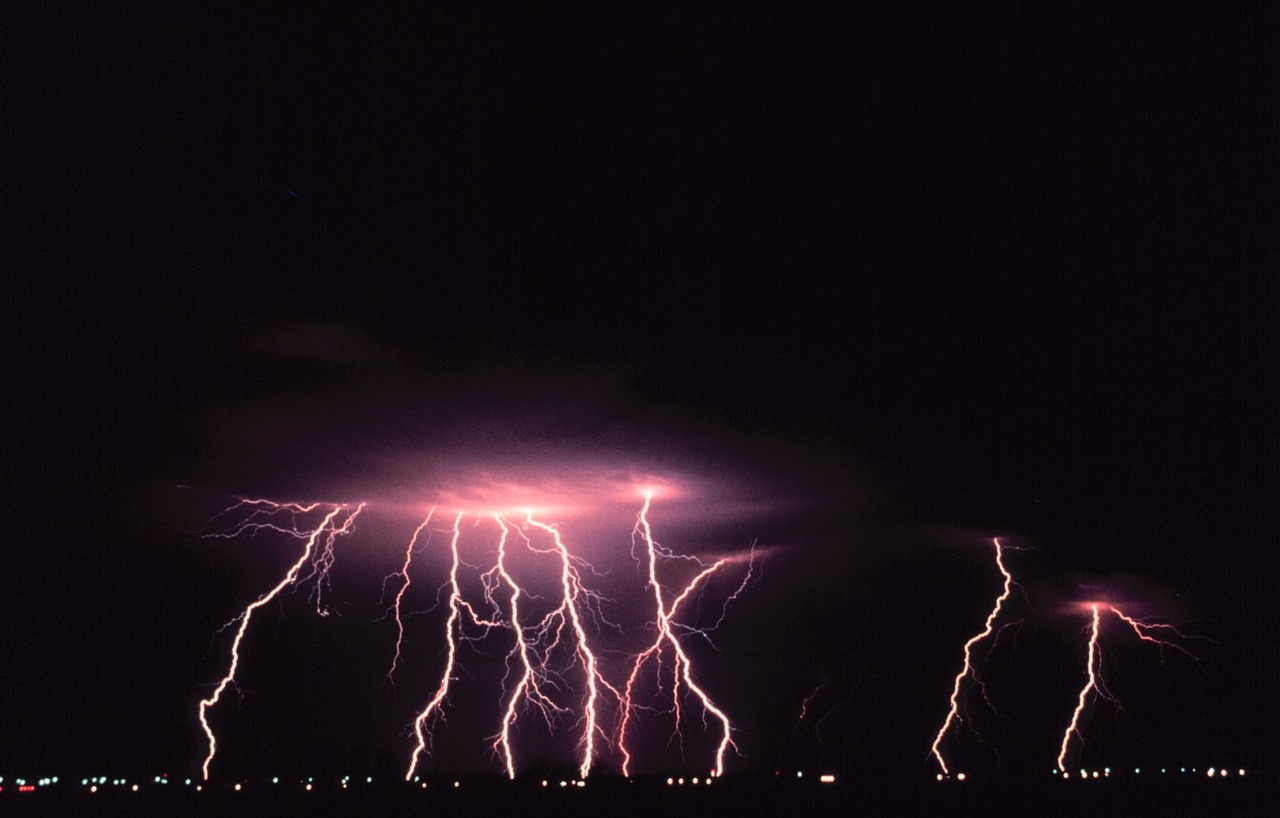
(1105, 772)
(106, 783)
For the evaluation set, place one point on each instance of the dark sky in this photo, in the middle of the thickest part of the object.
(924, 277)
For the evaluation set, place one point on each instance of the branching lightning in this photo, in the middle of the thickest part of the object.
(666, 635)
(265, 515)
(953, 715)
(553, 667)
(1093, 666)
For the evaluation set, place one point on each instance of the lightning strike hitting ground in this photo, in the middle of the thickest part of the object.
(451, 635)
(264, 515)
(953, 715)
(1093, 667)
(682, 668)
(552, 665)
(532, 675)
(1094, 683)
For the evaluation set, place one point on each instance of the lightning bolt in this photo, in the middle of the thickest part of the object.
(552, 667)
(1093, 683)
(532, 673)
(404, 572)
(1093, 667)
(451, 629)
(263, 515)
(571, 586)
(808, 700)
(682, 669)
(953, 715)
(1144, 630)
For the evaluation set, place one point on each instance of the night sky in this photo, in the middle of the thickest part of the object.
(876, 286)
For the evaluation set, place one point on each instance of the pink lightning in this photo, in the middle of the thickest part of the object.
(1093, 669)
(808, 700)
(682, 669)
(404, 572)
(954, 713)
(553, 666)
(1093, 683)
(529, 687)
(571, 586)
(263, 516)
(456, 603)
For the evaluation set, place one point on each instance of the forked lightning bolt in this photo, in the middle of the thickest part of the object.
(967, 670)
(534, 645)
(532, 673)
(267, 515)
(552, 666)
(682, 669)
(1093, 667)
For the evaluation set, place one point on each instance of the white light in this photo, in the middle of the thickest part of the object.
(369, 780)
(582, 783)
(799, 774)
(544, 782)
(457, 784)
(1211, 772)
(1095, 773)
(308, 788)
(237, 788)
(939, 776)
(275, 780)
(1241, 771)
(94, 788)
(566, 783)
(827, 778)
(135, 787)
(695, 779)
(670, 781)
(959, 776)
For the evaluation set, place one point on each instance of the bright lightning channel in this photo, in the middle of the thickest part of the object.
(535, 679)
(1093, 667)
(665, 634)
(263, 515)
(953, 715)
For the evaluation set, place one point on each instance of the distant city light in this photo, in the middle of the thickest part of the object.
(827, 778)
